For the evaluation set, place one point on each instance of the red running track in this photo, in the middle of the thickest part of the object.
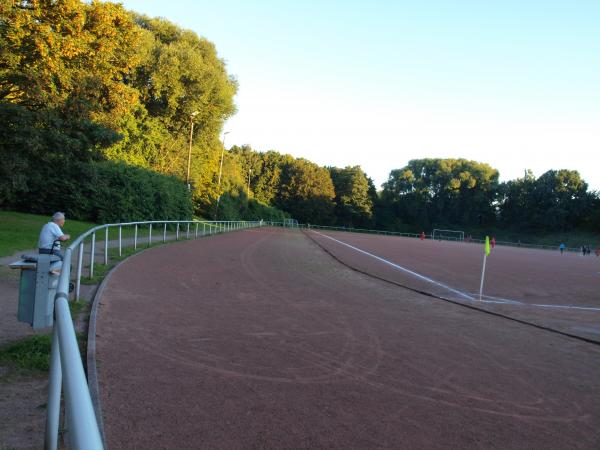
(259, 339)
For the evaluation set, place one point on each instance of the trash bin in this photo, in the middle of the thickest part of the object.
(37, 289)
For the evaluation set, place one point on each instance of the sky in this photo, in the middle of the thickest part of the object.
(515, 84)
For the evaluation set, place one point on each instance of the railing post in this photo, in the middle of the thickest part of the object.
(165, 233)
(79, 266)
(150, 235)
(120, 251)
(135, 231)
(92, 253)
(196, 235)
(106, 247)
(187, 233)
(203, 229)
(177, 232)
(54, 388)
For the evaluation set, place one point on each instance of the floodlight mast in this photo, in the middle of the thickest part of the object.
(220, 173)
(189, 162)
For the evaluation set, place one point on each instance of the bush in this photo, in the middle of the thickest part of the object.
(104, 192)
(237, 206)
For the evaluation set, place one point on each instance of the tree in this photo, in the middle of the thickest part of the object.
(306, 192)
(68, 56)
(557, 201)
(442, 192)
(353, 196)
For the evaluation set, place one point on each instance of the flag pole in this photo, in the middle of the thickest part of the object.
(482, 276)
(485, 254)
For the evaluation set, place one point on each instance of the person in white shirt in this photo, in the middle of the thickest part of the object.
(51, 236)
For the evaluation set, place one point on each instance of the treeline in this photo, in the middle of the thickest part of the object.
(430, 193)
(425, 194)
(91, 83)
(96, 108)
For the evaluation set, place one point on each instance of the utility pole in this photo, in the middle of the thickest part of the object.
(220, 173)
(189, 162)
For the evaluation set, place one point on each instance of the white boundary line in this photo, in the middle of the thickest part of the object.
(539, 305)
(396, 266)
(456, 291)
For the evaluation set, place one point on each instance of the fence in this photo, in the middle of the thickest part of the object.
(66, 368)
(430, 236)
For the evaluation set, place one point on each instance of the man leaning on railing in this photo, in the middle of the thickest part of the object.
(51, 236)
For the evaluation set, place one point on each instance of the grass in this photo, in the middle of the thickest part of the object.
(77, 307)
(31, 355)
(28, 356)
(20, 231)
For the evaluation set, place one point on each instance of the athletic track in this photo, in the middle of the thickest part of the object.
(261, 339)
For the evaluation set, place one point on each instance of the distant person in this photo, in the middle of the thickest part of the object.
(51, 236)
(588, 249)
(422, 236)
(597, 251)
(562, 247)
(493, 242)
(583, 250)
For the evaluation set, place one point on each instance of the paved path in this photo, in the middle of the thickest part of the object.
(258, 339)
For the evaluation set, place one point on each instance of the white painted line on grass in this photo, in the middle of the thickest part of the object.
(396, 266)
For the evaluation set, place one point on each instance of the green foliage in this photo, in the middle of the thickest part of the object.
(28, 355)
(306, 192)
(441, 192)
(36, 142)
(105, 192)
(77, 307)
(556, 201)
(69, 56)
(353, 197)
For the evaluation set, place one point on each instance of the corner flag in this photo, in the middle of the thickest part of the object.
(485, 255)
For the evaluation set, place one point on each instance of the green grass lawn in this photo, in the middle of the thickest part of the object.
(20, 231)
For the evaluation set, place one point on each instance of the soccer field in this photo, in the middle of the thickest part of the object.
(539, 286)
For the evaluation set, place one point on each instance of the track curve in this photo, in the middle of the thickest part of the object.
(257, 339)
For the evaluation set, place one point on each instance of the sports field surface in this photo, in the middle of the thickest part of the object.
(272, 338)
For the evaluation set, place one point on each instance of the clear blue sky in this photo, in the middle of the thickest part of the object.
(515, 84)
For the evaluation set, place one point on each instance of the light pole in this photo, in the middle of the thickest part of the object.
(220, 173)
(249, 173)
(187, 177)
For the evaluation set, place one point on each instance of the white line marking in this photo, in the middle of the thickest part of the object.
(540, 305)
(396, 266)
(462, 294)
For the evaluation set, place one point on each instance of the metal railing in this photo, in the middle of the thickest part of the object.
(66, 367)
(362, 230)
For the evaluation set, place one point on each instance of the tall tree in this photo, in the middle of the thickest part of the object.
(353, 196)
(442, 192)
(306, 192)
(557, 201)
(69, 56)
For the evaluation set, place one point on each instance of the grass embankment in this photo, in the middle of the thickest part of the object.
(20, 231)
